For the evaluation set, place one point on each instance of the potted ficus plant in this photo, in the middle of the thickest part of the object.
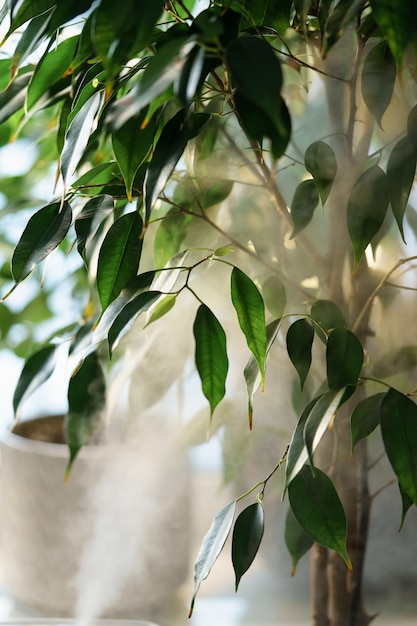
(244, 169)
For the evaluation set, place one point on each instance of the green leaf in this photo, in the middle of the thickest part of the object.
(49, 69)
(77, 136)
(397, 21)
(297, 452)
(90, 219)
(119, 257)
(13, 97)
(44, 232)
(26, 11)
(378, 79)
(161, 308)
(36, 370)
(274, 295)
(297, 541)
(341, 15)
(319, 420)
(367, 206)
(191, 75)
(210, 355)
(168, 150)
(407, 503)
(399, 433)
(256, 73)
(128, 315)
(365, 417)
(30, 39)
(211, 547)
(131, 144)
(170, 236)
(247, 536)
(250, 311)
(86, 401)
(306, 199)
(320, 161)
(344, 358)
(300, 337)
(401, 170)
(318, 510)
(251, 372)
(328, 315)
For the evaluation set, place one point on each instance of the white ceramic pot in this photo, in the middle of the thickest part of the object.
(113, 541)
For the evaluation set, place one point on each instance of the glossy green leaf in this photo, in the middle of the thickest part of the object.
(344, 358)
(30, 39)
(77, 137)
(319, 420)
(250, 310)
(320, 161)
(50, 68)
(128, 316)
(119, 257)
(28, 10)
(91, 217)
(306, 199)
(132, 143)
(378, 79)
(258, 125)
(367, 206)
(251, 372)
(300, 337)
(13, 97)
(64, 12)
(365, 417)
(43, 233)
(133, 288)
(168, 150)
(211, 547)
(297, 452)
(401, 170)
(256, 73)
(397, 21)
(412, 127)
(318, 510)
(36, 370)
(297, 541)
(399, 433)
(247, 536)
(407, 503)
(92, 83)
(328, 315)
(192, 73)
(210, 355)
(86, 401)
(341, 15)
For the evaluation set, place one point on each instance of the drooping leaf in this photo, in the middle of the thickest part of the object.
(77, 137)
(210, 355)
(300, 337)
(134, 287)
(119, 257)
(250, 311)
(378, 79)
(297, 452)
(344, 358)
(274, 295)
(251, 372)
(399, 433)
(367, 206)
(305, 200)
(86, 401)
(161, 308)
(211, 547)
(128, 315)
(365, 417)
(328, 315)
(319, 511)
(397, 21)
(131, 144)
(320, 161)
(407, 503)
(168, 150)
(320, 419)
(30, 39)
(191, 75)
(247, 536)
(297, 541)
(401, 170)
(36, 370)
(13, 98)
(44, 232)
(88, 221)
(50, 68)
(26, 11)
